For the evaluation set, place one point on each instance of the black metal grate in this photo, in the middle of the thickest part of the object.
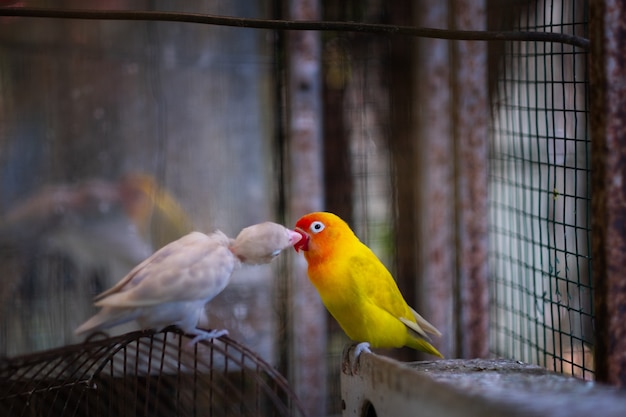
(540, 231)
(145, 374)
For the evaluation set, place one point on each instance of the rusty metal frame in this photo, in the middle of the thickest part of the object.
(608, 176)
(305, 194)
(471, 121)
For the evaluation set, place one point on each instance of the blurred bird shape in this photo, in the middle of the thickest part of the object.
(96, 223)
(158, 216)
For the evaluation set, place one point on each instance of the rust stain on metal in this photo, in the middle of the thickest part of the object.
(608, 178)
(399, 68)
(471, 138)
(435, 195)
(308, 356)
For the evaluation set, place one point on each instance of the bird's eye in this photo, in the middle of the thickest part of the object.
(317, 227)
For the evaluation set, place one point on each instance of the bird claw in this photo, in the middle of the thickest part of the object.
(351, 356)
(360, 348)
(202, 335)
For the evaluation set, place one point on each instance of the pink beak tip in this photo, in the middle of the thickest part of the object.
(295, 237)
(302, 242)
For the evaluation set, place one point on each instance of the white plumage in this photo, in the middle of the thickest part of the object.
(172, 286)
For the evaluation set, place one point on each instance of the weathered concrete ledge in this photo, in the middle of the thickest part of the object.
(480, 387)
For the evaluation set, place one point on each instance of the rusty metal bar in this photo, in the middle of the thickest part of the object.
(435, 192)
(400, 67)
(471, 111)
(304, 95)
(608, 176)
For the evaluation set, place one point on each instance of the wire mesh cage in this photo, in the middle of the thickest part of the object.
(145, 374)
(540, 230)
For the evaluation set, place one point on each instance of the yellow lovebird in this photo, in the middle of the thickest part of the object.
(357, 289)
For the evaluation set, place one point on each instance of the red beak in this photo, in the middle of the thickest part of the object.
(302, 244)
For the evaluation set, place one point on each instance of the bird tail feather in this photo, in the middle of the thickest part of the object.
(418, 339)
(106, 318)
(424, 324)
(423, 346)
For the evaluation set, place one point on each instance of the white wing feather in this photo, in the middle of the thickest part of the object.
(195, 267)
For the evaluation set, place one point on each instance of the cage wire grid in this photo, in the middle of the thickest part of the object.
(145, 373)
(541, 289)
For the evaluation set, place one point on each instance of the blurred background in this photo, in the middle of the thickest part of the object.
(463, 165)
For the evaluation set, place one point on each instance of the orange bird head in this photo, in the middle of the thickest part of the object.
(321, 231)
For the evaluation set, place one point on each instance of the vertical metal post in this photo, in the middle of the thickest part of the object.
(435, 193)
(607, 86)
(306, 195)
(471, 111)
(400, 67)
(337, 66)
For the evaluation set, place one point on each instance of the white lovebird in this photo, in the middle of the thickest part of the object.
(172, 286)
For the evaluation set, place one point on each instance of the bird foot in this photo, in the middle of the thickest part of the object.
(351, 355)
(202, 335)
(360, 348)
